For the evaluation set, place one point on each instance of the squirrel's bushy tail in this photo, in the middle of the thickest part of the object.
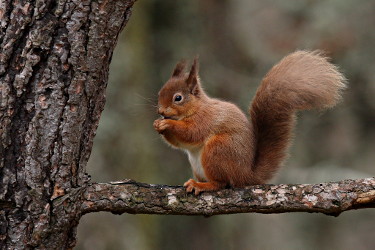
(302, 80)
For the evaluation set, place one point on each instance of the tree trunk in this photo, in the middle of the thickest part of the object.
(53, 71)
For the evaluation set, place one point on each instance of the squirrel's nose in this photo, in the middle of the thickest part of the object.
(161, 111)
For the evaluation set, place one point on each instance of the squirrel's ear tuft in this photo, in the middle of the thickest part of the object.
(178, 70)
(192, 80)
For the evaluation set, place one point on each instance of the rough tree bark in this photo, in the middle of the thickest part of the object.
(54, 61)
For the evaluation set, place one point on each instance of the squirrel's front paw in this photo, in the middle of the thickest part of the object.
(191, 185)
(160, 125)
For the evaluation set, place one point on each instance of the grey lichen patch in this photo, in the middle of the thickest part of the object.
(326, 196)
(125, 196)
(209, 199)
(311, 199)
(258, 191)
(270, 195)
(369, 181)
(281, 191)
(270, 202)
(172, 200)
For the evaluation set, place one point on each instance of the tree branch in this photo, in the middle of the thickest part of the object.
(137, 198)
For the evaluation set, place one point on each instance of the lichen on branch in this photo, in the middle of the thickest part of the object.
(129, 196)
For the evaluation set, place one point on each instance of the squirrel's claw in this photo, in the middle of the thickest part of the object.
(161, 125)
(191, 185)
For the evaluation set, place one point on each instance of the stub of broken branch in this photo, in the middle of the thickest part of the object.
(137, 198)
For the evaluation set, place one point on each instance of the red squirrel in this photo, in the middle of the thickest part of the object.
(224, 147)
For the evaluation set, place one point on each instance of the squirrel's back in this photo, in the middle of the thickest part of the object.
(302, 80)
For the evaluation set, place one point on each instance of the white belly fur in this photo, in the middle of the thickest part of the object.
(195, 162)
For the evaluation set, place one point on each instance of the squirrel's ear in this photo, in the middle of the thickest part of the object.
(178, 70)
(192, 80)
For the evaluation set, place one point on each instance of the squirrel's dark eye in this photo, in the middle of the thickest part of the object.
(177, 98)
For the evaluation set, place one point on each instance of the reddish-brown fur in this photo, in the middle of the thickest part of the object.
(224, 148)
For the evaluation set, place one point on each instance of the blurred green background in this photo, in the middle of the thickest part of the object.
(238, 41)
